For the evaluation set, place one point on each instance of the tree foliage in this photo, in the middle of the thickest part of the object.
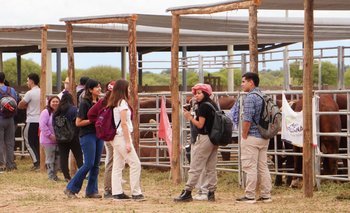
(27, 66)
(328, 73)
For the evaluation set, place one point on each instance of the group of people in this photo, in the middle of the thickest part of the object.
(202, 173)
(87, 147)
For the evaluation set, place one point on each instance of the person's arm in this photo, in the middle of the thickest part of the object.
(245, 129)
(199, 124)
(80, 122)
(44, 125)
(125, 129)
(22, 104)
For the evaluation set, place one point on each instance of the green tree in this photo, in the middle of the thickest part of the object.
(328, 71)
(347, 77)
(27, 66)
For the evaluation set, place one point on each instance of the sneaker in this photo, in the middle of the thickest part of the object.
(200, 197)
(107, 195)
(69, 193)
(2, 169)
(35, 168)
(94, 195)
(264, 199)
(121, 197)
(245, 200)
(139, 197)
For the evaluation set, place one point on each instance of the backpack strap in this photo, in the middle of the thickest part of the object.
(262, 98)
(2, 93)
(211, 105)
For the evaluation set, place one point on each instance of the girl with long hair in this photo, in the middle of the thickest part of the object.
(48, 139)
(67, 109)
(93, 115)
(123, 148)
(90, 145)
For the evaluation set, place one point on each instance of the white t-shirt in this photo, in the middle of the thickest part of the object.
(32, 98)
(116, 114)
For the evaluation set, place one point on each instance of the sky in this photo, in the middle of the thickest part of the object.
(33, 12)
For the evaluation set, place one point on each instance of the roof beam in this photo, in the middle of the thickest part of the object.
(214, 8)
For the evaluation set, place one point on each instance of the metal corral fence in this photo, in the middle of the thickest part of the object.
(276, 150)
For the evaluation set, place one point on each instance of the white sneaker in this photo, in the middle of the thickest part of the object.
(200, 197)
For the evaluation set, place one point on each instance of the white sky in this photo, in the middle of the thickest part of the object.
(31, 12)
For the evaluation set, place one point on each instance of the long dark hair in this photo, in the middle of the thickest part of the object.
(120, 92)
(65, 103)
(90, 84)
(48, 107)
(208, 99)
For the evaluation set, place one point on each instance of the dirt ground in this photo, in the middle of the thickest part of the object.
(27, 191)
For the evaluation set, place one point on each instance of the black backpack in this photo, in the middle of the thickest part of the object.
(221, 132)
(64, 129)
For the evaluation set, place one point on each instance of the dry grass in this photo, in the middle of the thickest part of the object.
(27, 191)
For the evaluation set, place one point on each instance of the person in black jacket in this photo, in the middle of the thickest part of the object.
(66, 108)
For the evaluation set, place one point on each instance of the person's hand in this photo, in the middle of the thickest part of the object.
(128, 147)
(53, 138)
(187, 115)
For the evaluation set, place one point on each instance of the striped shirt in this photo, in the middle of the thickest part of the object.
(252, 106)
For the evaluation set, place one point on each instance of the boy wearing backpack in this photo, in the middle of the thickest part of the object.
(7, 126)
(253, 145)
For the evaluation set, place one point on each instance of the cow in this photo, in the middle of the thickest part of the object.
(342, 101)
(328, 144)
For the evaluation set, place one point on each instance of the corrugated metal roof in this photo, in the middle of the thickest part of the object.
(280, 5)
(155, 31)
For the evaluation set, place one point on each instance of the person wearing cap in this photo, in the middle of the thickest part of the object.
(65, 89)
(92, 115)
(203, 153)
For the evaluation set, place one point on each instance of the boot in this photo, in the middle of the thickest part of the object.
(185, 196)
(211, 196)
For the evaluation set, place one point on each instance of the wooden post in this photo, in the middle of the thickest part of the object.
(70, 53)
(43, 86)
(307, 97)
(253, 38)
(174, 88)
(133, 78)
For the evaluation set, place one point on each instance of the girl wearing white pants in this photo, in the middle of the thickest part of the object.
(123, 148)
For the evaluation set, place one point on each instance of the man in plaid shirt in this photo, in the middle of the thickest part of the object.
(253, 146)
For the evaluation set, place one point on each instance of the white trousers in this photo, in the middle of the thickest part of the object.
(120, 157)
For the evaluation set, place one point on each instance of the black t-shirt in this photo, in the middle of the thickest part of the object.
(206, 111)
(84, 107)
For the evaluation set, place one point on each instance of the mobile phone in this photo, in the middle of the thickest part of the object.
(187, 107)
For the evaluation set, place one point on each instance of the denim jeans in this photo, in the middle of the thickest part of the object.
(92, 150)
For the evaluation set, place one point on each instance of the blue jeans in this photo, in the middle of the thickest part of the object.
(92, 150)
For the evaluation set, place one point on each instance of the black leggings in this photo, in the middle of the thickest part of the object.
(64, 149)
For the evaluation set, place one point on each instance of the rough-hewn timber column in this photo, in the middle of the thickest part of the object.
(43, 86)
(307, 96)
(174, 88)
(253, 38)
(133, 78)
(70, 53)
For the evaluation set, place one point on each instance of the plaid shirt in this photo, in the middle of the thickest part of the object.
(252, 107)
